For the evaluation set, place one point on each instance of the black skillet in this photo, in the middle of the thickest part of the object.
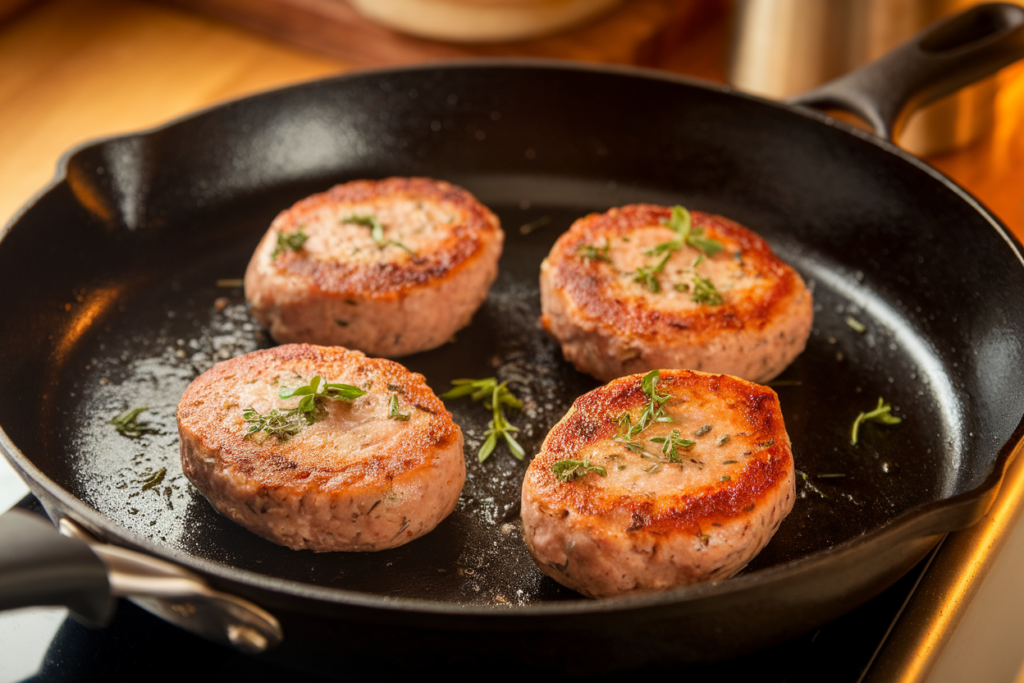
(111, 301)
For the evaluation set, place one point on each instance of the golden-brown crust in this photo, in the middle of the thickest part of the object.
(595, 287)
(308, 462)
(464, 240)
(767, 465)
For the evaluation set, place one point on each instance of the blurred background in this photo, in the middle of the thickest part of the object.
(75, 70)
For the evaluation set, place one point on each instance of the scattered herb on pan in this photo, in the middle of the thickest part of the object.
(882, 414)
(588, 252)
(393, 412)
(376, 231)
(495, 397)
(682, 223)
(567, 470)
(808, 485)
(527, 228)
(831, 475)
(283, 424)
(289, 241)
(855, 325)
(231, 282)
(154, 479)
(128, 424)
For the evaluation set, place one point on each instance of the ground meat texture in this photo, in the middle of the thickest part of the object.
(610, 324)
(324, 275)
(651, 524)
(360, 477)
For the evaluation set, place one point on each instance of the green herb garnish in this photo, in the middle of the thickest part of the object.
(648, 275)
(653, 411)
(681, 222)
(855, 325)
(283, 424)
(289, 241)
(703, 430)
(275, 423)
(567, 470)
(809, 485)
(589, 252)
(154, 479)
(128, 424)
(376, 231)
(671, 444)
(722, 440)
(393, 412)
(881, 414)
(704, 292)
(495, 397)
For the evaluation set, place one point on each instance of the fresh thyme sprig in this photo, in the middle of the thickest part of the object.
(881, 414)
(376, 231)
(128, 424)
(567, 470)
(289, 241)
(682, 224)
(588, 252)
(393, 412)
(283, 424)
(671, 444)
(704, 292)
(495, 397)
(648, 275)
(653, 412)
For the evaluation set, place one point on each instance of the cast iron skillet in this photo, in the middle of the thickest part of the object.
(111, 301)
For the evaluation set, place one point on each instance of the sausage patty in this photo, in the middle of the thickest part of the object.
(365, 472)
(622, 502)
(389, 267)
(620, 301)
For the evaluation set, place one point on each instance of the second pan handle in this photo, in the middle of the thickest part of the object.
(939, 60)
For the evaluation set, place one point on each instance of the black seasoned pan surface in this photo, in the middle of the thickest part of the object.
(120, 287)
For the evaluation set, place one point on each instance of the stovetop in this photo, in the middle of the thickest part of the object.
(44, 645)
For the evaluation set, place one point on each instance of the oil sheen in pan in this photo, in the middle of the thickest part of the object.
(174, 325)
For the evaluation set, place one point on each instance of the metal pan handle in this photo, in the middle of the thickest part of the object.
(38, 566)
(939, 60)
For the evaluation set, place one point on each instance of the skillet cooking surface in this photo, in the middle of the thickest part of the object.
(118, 305)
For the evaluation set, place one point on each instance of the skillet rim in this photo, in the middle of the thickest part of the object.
(912, 523)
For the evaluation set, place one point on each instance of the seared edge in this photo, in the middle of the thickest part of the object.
(602, 540)
(610, 326)
(303, 492)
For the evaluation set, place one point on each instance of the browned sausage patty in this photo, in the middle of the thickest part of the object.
(740, 311)
(369, 473)
(680, 502)
(390, 267)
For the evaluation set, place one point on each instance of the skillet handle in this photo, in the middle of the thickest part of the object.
(939, 60)
(40, 567)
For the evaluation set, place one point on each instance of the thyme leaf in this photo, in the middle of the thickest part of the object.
(588, 252)
(289, 241)
(682, 223)
(648, 275)
(154, 479)
(128, 424)
(704, 292)
(882, 414)
(671, 444)
(495, 397)
(393, 412)
(285, 423)
(567, 470)
(376, 231)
